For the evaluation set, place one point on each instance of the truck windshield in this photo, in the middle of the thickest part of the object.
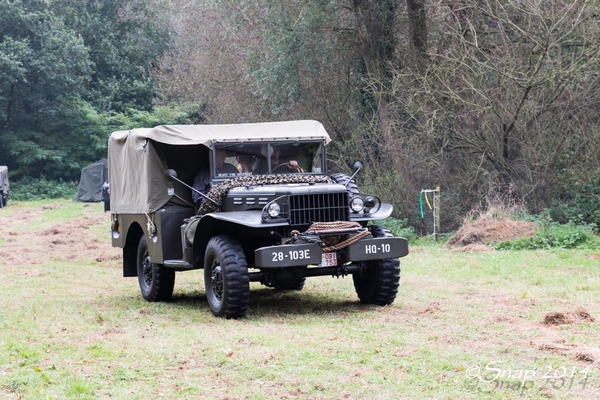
(294, 157)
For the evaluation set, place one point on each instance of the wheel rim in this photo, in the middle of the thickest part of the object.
(216, 281)
(148, 271)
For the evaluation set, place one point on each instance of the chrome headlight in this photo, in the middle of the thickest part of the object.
(372, 204)
(357, 204)
(273, 210)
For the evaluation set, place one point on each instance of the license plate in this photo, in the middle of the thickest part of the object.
(289, 255)
(328, 260)
(377, 249)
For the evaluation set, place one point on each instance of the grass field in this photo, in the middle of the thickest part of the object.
(464, 325)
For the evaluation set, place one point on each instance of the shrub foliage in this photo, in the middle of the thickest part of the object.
(32, 189)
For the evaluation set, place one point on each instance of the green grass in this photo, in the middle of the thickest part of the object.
(72, 327)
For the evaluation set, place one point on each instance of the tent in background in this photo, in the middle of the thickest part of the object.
(90, 184)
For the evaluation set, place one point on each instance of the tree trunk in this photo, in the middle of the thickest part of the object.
(418, 31)
(375, 29)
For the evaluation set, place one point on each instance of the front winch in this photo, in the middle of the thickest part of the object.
(330, 230)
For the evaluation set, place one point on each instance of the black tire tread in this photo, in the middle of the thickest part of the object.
(384, 289)
(298, 284)
(163, 278)
(345, 180)
(236, 291)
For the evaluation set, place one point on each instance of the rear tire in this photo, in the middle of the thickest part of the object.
(345, 180)
(377, 281)
(298, 284)
(156, 281)
(226, 277)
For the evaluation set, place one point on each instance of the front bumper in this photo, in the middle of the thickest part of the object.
(301, 254)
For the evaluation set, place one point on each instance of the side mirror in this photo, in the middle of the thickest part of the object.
(357, 167)
(170, 175)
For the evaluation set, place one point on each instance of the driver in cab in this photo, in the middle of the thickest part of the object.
(277, 166)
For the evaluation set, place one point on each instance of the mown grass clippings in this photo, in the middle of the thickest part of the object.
(577, 316)
(483, 232)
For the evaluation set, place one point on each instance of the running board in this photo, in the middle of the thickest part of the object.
(178, 264)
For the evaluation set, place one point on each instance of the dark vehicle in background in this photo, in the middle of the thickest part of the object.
(275, 217)
(4, 186)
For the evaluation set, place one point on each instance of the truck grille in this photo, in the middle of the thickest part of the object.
(318, 207)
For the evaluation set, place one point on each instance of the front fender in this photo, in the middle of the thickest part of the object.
(384, 212)
(249, 218)
(235, 224)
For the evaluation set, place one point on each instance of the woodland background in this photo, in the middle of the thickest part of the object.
(485, 98)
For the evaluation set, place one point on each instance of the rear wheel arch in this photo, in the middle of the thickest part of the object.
(132, 239)
(155, 280)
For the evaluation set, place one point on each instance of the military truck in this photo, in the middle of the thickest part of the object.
(273, 215)
(4, 186)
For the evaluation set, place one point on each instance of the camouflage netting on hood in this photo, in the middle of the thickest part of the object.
(219, 192)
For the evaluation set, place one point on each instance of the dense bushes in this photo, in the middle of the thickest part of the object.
(580, 204)
(555, 235)
(70, 73)
(399, 228)
(31, 189)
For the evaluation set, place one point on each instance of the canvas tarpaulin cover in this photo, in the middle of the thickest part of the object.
(90, 183)
(137, 165)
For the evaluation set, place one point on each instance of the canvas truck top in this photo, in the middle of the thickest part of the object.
(138, 158)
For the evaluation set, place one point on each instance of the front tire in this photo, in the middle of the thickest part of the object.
(377, 281)
(156, 281)
(226, 277)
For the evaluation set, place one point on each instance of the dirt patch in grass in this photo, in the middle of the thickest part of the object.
(552, 342)
(65, 240)
(571, 350)
(433, 307)
(474, 236)
(579, 316)
(590, 356)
